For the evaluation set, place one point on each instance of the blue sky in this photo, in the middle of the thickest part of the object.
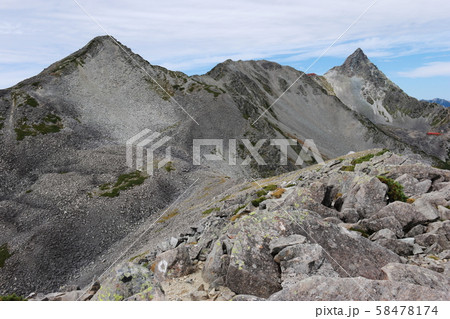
(409, 40)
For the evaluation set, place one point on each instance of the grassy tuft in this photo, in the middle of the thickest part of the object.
(384, 150)
(169, 167)
(395, 189)
(363, 159)
(348, 168)
(124, 182)
(210, 210)
(12, 297)
(168, 216)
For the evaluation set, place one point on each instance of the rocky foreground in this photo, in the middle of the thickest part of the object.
(368, 226)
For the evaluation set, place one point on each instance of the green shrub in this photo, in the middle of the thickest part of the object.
(270, 187)
(395, 189)
(289, 185)
(238, 209)
(348, 168)
(261, 192)
(12, 297)
(258, 201)
(31, 101)
(4, 254)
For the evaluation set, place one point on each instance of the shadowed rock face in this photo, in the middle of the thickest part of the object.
(63, 133)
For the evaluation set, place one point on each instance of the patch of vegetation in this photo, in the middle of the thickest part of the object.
(50, 124)
(410, 200)
(169, 167)
(238, 215)
(395, 189)
(278, 192)
(238, 209)
(258, 201)
(105, 186)
(225, 198)
(12, 297)
(168, 216)
(208, 89)
(4, 254)
(36, 84)
(138, 256)
(31, 101)
(124, 182)
(289, 185)
(363, 159)
(349, 168)
(433, 257)
(270, 187)
(261, 192)
(28, 191)
(384, 150)
(210, 210)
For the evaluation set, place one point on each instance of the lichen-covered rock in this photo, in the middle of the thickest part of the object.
(319, 288)
(130, 280)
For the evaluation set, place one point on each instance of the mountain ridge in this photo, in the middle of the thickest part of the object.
(63, 133)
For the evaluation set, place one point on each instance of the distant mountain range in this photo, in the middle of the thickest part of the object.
(439, 101)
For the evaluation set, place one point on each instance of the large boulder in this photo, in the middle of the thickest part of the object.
(366, 198)
(437, 237)
(130, 282)
(320, 288)
(301, 261)
(409, 184)
(407, 216)
(243, 258)
(173, 263)
(416, 275)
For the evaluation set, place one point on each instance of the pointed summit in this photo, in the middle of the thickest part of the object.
(356, 63)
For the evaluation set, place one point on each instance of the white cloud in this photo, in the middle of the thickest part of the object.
(429, 70)
(190, 35)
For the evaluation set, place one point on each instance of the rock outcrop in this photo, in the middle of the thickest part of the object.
(283, 250)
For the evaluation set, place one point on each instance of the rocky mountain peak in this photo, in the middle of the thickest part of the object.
(358, 64)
